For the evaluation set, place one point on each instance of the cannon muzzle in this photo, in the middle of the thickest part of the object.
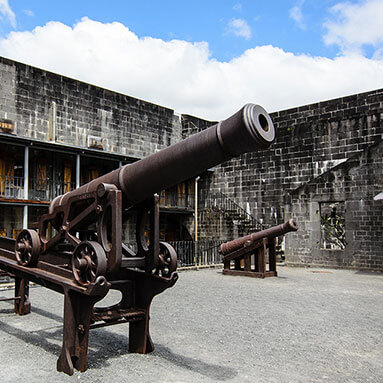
(271, 232)
(247, 130)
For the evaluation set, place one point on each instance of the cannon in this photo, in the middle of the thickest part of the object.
(86, 256)
(271, 232)
(251, 250)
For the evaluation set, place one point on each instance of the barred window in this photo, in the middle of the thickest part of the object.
(333, 225)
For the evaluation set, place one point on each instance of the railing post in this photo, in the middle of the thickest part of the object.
(26, 172)
(78, 159)
(196, 220)
(26, 185)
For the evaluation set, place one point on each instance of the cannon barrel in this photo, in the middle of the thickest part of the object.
(247, 130)
(271, 232)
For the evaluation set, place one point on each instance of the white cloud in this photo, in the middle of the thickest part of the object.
(182, 75)
(355, 25)
(297, 15)
(28, 12)
(240, 27)
(5, 10)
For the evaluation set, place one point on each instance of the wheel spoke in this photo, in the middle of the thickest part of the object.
(168, 258)
(92, 256)
(27, 247)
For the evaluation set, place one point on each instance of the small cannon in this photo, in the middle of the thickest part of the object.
(252, 249)
(86, 257)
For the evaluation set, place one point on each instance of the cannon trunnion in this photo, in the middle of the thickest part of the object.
(86, 257)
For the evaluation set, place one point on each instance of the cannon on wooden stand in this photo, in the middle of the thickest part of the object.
(246, 256)
(86, 257)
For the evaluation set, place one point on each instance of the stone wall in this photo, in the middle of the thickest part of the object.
(353, 184)
(310, 140)
(43, 104)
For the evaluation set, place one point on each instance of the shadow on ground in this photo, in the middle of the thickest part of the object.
(212, 371)
(105, 345)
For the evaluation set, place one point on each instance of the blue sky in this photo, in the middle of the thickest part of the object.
(269, 22)
(204, 57)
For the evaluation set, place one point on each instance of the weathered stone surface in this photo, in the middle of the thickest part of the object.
(324, 152)
(310, 141)
(126, 125)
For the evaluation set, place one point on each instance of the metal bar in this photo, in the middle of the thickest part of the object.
(54, 119)
(117, 321)
(26, 171)
(26, 185)
(78, 163)
(10, 299)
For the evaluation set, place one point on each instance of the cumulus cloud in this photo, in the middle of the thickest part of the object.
(240, 27)
(354, 26)
(6, 11)
(183, 75)
(296, 14)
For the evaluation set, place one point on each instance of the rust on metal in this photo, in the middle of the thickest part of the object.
(271, 232)
(247, 256)
(86, 256)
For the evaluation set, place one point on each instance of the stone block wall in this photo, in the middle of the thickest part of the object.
(353, 183)
(35, 100)
(310, 140)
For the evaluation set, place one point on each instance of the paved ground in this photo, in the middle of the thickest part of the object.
(304, 326)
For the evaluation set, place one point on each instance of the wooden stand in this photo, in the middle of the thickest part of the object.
(251, 260)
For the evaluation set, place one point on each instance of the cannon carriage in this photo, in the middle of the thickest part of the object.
(86, 256)
(247, 256)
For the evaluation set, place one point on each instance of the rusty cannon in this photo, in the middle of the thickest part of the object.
(247, 255)
(85, 257)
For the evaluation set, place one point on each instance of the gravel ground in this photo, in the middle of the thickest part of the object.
(304, 326)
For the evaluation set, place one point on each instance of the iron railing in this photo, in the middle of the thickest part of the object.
(42, 190)
(175, 200)
(46, 190)
(11, 187)
(208, 252)
(219, 201)
(185, 252)
(39, 189)
(191, 253)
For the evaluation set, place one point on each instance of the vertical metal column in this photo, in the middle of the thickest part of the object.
(196, 219)
(54, 118)
(26, 186)
(78, 163)
(78, 159)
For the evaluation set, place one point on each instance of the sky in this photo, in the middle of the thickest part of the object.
(204, 58)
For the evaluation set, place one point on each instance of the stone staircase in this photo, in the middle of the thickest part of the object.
(220, 202)
(246, 223)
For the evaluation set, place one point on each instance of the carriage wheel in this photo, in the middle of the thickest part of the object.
(27, 247)
(88, 262)
(168, 260)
